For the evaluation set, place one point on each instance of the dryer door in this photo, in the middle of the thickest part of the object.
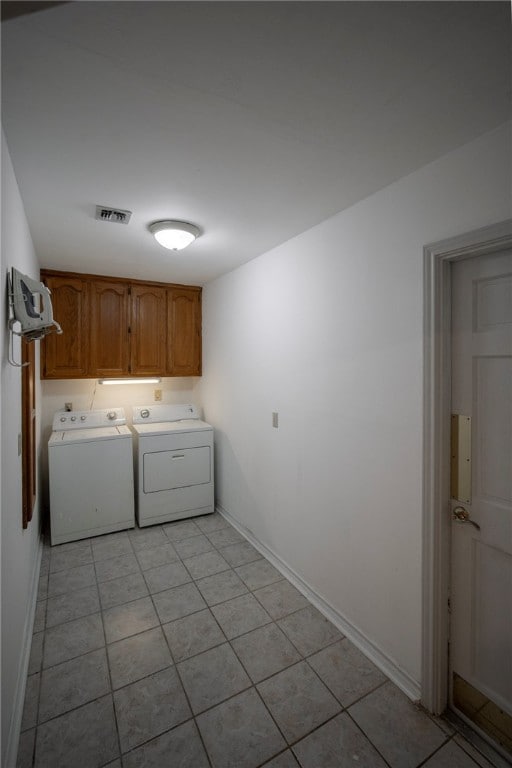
(166, 470)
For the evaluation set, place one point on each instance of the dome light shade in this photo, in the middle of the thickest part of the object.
(174, 235)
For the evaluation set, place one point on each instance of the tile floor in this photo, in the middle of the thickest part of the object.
(180, 646)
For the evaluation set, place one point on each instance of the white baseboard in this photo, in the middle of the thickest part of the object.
(13, 738)
(398, 676)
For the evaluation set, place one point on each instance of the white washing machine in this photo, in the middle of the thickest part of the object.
(174, 460)
(90, 457)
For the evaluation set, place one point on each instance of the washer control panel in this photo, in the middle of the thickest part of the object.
(107, 417)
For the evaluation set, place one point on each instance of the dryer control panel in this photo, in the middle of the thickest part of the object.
(151, 414)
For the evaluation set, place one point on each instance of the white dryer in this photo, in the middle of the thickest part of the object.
(174, 463)
(90, 457)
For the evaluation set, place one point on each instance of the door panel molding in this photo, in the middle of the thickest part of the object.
(436, 447)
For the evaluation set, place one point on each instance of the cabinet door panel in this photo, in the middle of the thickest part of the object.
(148, 330)
(66, 356)
(110, 351)
(184, 330)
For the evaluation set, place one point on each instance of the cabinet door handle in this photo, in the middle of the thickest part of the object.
(178, 456)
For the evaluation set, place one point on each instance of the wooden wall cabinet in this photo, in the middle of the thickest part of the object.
(109, 329)
(66, 356)
(148, 330)
(184, 331)
(117, 327)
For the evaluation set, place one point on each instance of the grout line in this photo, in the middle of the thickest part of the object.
(313, 730)
(193, 718)
(271, 717)
(111, 686)
(359, 728)
(276, 756)
(438, 749)
(306, 660)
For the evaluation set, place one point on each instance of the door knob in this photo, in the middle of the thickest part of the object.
(461, 515)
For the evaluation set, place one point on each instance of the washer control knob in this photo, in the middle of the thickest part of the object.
(144, 414)
(111, 415)
(73, 418)
(83, 418)
(63, 418)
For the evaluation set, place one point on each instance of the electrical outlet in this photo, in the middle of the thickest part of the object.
(158, 395)
(68, 406)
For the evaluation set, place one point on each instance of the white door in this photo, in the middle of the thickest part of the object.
(481, 557)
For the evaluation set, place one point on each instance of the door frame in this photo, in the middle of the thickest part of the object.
(436, 529)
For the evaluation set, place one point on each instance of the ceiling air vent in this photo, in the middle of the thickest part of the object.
(115, 215)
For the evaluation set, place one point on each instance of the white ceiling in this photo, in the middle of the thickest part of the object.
(253, 120)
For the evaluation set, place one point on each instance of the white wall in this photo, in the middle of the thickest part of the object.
(327, 330)
(20, 548)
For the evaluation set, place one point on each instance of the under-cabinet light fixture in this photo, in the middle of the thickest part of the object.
(174, 235)
(154, 380)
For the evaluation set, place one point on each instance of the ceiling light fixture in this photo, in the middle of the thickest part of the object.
(174, 235)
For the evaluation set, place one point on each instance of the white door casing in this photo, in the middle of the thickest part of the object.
(438, 258)
(481, 558)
